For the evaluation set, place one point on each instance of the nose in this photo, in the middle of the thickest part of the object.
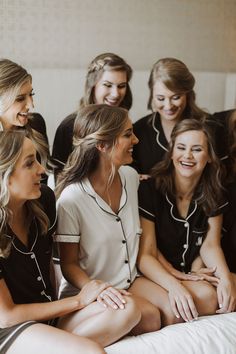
(115, 91)
(29, 102)
(188, 154)
(135, 140)
(41, 170)
(167, 104)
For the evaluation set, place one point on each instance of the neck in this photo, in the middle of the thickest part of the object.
(184, 187)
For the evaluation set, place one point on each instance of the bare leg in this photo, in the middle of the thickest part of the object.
(40, 338)
(103, 325)
(203, 293)
(150, 314)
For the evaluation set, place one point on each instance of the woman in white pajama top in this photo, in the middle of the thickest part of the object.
(98, 221)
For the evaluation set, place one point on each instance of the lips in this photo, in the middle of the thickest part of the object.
(23, 118)
(187, 164)
(111, 102)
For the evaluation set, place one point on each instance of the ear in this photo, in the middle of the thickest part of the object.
(102, 147)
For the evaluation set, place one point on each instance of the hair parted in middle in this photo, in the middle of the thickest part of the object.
(175, 75)
(209, 189)
(95, 124)
(100, 64)
(11, 143)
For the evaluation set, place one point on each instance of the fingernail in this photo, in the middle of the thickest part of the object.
(104, 305)
(124, 302)
(115, 307)
(220, 306)
(122, 307)
(177, 316)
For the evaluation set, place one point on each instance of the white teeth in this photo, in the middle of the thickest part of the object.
(190, 164)
(23, 114)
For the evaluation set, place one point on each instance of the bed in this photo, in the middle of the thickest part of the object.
(208, 335)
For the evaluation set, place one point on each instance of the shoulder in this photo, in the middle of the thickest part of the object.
(129, 172)
(67, 123)
(48, 202)
(70, 196)
(142, 122)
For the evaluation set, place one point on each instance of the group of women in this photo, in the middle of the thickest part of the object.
(140, 211)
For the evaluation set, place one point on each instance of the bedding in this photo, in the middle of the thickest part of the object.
(214, 334)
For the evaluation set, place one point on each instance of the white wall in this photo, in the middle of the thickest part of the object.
(58, 92)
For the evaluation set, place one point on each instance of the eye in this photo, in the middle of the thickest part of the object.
(32, 94)
(176, 97)
(160, 99)
(122, 86)
(20, 99)
(197, 149)
(107, 85)
(179, 147)
(30, 163)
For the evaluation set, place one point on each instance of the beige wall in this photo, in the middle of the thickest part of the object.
(69, 33)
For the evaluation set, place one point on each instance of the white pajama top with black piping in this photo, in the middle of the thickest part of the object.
(108, 242)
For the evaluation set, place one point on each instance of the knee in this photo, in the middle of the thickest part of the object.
(207, 298)
(132, 313)
(151, 319)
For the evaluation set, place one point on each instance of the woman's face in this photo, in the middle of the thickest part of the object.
(190, 154)
(18, 113)
(123, 149)
(111, 88)
(170, 105)
(24, 182)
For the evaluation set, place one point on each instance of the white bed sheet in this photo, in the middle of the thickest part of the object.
(208, 335)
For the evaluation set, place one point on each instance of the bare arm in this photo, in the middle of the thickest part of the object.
(180, 299)
(213, 256)
(12, 313)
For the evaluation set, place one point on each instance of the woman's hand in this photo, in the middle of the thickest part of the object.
(90, 291)
(226, 294)
(183, 276)
(113, 298)
(207, 274)
(182, 303)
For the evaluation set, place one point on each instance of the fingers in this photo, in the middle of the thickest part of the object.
(184, 308)
(112, 297)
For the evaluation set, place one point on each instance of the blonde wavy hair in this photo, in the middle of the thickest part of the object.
(11, 143)
(95, 124)
(12, 77)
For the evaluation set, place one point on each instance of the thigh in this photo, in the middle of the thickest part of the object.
(75, 320)
(150, 291)
(40, 338)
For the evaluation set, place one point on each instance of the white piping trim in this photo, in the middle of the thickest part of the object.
(158, 133)
(67, 238)
(147, 212)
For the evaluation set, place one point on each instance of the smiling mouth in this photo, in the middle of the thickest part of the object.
(187, 164)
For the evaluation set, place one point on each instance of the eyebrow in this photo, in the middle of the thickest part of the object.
(112, 83)
(30, 156)
(196, 145)
(24, 94)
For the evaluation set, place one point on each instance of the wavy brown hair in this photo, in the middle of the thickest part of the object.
(209, 191)
(175, 75)
(100, 64)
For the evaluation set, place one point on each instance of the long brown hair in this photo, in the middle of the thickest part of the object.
(175, 75)
(209, 189)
